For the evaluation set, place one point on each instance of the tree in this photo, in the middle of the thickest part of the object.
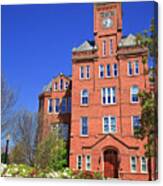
(51, 152)
(149, 100)
(8, 101)
(24, 134)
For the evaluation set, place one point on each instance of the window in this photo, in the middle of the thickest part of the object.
(109, 124)
(101, 71)
(79, 162)
(133, 164)
(115, 70)
(143, 164)
(108, 74)
(81, 72)
(111, 47)
(108, 96)
(134, 94)
(66, 85)
(84, 126)
(84, 97)
(57, 105)
(69, 104)
(136, 124)
(129, 69)
(63, 107)
(136, 65)
(50, 105)
(104, 48)
(87, 71)
(88, 162)
(55, 86)
(61, 84)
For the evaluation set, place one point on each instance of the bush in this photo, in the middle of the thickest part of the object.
(51, 153)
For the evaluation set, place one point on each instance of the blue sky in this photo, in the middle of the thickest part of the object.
(37, 41)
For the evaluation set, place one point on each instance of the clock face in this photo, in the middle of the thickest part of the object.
(107, 22)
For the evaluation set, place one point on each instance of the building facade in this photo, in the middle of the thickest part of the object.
(104, 108)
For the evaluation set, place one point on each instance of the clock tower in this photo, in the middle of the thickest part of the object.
(107, 27)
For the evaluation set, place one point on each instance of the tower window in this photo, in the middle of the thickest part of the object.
(84, 126)
(87, 71)
(115, 70)
(61, 84)
(101, 71)
(104, 48)
(66, 85)
(84, 97)
(129, 68)
(134, 94)
(108, 95)
(108, 73)
(55, 86)
(111, 47)
(81, 72)
(136, 69)
(136, 124)
(50, 105)
(109, 124)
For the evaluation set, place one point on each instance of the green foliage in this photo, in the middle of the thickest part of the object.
(22, 170)
(148, 121)
(51, 153)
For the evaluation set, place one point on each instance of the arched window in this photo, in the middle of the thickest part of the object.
(84, 97)
(134, 94)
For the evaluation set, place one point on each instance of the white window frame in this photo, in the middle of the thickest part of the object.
(49, 105)
(111, 96)
(128, 69)
(109, 119)
(132, 122)
(66, 85)
(133, 171)
(86, 162)
(99, 69)
(131, 101)
(62, 84)
(55, 87)
(114, 70)
(80, 77)
(83, 135)
(107, 70)
(136, 62)
(146, 160)
(111, 52)
(55, 105)
(77, 162)
(81, 97)
(88, 72)
(104, 48)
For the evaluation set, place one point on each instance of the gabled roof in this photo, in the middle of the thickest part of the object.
(128, 41)
(48, 87)
(86, 46)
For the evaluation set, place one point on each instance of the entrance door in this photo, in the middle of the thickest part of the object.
(111, 163)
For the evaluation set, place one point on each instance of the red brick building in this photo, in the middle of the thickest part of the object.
(107, 75)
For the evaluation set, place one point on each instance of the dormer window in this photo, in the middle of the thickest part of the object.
(111, 47)
(61, 84)
(66, 85)
(55, 86)
(104, 48)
